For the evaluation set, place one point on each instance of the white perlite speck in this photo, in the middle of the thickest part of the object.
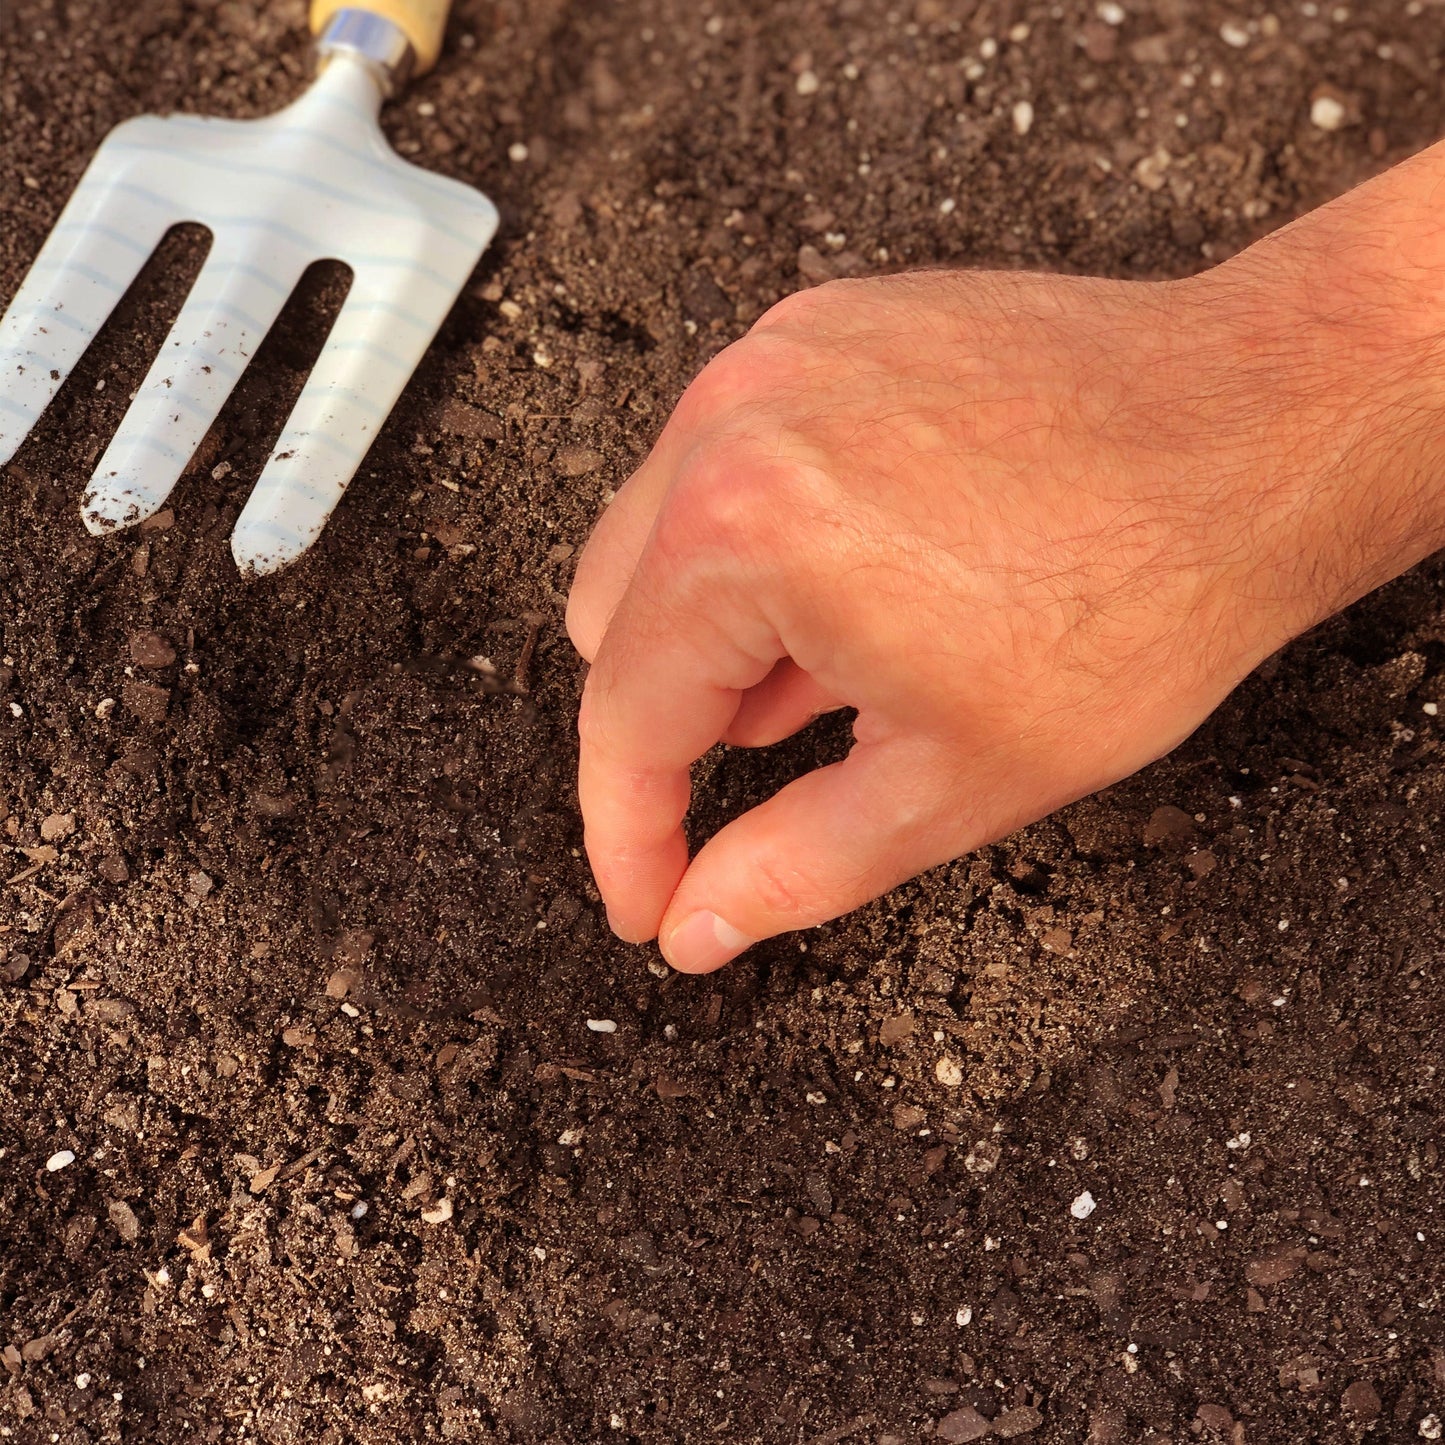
(1234, 34)
(63, 1160)
(807, 83)
(1327, 113)
(602, 1026)
(964, 1316)
(1110, 13)
(949, 1072)
(1430, 1428)
(439, 1213)
(1083, 1206)
(1023, 118)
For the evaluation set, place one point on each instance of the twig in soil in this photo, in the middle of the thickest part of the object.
(304, 1162)
(521, 675)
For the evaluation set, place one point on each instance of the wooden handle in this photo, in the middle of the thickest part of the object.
(421, 21)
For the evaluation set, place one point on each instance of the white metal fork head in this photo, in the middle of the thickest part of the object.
(314, 181)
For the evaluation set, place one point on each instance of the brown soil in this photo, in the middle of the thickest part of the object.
(1212, 997)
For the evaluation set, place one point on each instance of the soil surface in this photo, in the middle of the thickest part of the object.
(298, 952)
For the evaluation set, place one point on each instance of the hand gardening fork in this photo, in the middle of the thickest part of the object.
(316, 180)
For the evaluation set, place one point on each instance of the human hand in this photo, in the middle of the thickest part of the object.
(1032, 528)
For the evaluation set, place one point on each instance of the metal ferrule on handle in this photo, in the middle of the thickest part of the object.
(364, 24)
(379, 43)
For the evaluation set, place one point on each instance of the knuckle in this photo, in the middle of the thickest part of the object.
(722, 506)
(757, 372)
(795, 310)
(784, 892)
(597, 719)
(727, 381)
(588, 721)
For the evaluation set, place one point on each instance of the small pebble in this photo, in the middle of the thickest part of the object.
(949, 1072)
(1233, 33)
(151, 650)
(358, 1210)
(602, 1026)
(82, 1381)
(1327, 113)
(1083, 1206)
(962, 1425)
(439, 1213)
(1361, 1401)
(61, 1160)
(807, 83)
(1430, 1428)
(1023, 116)
(1110, 13)
(517, 152)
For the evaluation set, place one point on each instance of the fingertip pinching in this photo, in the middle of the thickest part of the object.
(703, 942)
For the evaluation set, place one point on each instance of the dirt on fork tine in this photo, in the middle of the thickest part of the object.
(329, 1110)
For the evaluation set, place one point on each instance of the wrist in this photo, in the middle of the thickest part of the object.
(1339, 323)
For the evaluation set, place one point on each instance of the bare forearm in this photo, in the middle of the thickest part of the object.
(1339, 320)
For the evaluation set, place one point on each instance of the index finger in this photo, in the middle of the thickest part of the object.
(687, 640)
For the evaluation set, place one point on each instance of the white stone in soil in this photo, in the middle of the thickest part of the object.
(1083, 1206)
(63, 1159)
(1023, 116)
(602, 1026)
(439, 1213)
(1327, 113)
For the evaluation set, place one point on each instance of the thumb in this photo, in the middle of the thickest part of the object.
(827, 843)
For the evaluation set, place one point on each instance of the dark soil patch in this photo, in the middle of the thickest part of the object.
(742, 1216)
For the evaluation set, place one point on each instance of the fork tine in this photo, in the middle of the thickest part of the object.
(236, 298)
(92, 255)
(366, 363)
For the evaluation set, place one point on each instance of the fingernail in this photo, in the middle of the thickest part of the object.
(702, 942)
